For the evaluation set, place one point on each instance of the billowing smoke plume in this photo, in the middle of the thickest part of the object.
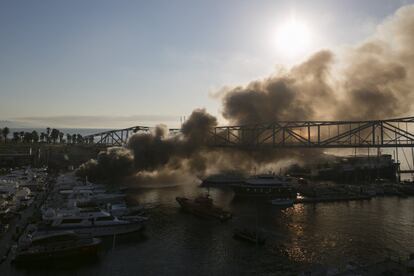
(156, 154)
(371, 81)
(111, 165)
(298, 94)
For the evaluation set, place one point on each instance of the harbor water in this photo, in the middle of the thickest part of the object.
(299, 237)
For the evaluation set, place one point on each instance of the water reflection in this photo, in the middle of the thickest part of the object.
(332, 234)
(327, 233)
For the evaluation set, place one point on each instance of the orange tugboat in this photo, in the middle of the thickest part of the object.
(203, 206)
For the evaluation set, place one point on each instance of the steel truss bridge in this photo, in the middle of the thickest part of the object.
(119, 137)
(391, 133)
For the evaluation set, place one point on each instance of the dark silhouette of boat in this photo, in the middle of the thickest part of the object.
(203, 206)
(57, 245)
(251, 236)
(265, 185)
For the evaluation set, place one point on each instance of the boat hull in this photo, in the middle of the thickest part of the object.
(101, 231)
(62, 253)
(200, 211)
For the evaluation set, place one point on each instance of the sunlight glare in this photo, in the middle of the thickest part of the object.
(293, 38)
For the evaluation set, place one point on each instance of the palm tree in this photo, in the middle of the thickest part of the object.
(5, 133)
(60, 137)
(27, 137)
(79, 138)
(35, 136)
(54, 135)
(48, 134)
(68, 138)
(16, 137)
(42, 136)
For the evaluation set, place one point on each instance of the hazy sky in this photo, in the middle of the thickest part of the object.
(133, 59)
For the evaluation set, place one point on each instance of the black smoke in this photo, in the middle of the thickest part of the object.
(156, 152)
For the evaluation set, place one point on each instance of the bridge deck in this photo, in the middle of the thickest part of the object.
(390, 133)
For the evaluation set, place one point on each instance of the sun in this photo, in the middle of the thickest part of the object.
(293, 37)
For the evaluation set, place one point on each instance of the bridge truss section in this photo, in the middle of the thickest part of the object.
(389, 133)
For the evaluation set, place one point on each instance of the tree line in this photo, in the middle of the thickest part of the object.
(51, 136)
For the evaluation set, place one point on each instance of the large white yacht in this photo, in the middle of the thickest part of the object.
(54, 245)
(91, 195)
(89, 220)
(121, 210)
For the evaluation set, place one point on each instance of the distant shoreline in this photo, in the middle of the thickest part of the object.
(82, 131)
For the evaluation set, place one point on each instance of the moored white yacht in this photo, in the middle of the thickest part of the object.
(91, 196)
(121, 210)
(90, 220)
(54, 245)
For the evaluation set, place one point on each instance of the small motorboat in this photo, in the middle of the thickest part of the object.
(203, 206)
(248, 235)
(89, 220)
